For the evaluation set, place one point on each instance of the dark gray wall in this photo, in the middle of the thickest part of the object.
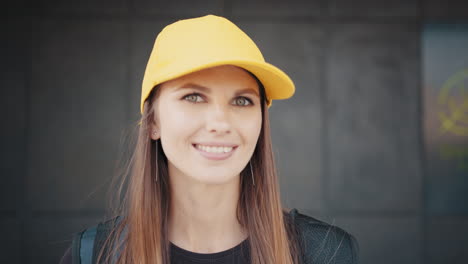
(348, 144)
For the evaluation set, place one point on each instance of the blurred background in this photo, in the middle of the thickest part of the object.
(374, 140)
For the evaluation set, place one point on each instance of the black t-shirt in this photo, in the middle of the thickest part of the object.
(239, 254)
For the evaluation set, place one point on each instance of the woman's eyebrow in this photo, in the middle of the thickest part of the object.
(193, 86)
(249, 91)
(208, 90)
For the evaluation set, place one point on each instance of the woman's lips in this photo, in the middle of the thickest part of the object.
(214, 155)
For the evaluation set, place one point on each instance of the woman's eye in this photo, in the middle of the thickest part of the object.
(242, 101)
(194, 98)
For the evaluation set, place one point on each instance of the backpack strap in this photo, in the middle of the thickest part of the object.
(87, 244)
(297, 232)
(82, 246)
(102, 233)
(76, 244)
(293, 213)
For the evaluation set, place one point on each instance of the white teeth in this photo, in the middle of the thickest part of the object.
(214, 149)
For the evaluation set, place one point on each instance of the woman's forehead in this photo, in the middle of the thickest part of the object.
(229, 76)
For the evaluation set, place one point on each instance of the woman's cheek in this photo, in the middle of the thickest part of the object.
(180, 112)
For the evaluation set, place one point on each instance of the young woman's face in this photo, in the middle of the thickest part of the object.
(209, 123)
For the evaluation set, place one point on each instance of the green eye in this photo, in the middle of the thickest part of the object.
(242, 101)
(193, 98)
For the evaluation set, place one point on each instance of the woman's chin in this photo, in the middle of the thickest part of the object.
(215, 179)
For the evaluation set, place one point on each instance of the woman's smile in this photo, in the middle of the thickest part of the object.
(215, 151)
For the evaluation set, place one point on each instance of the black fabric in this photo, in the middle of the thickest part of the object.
(320, 243)
(325, 243)
(237, 255)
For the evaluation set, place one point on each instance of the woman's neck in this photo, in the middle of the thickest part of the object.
(203, 216)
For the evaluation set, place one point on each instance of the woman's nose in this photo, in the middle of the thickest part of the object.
(218, 120)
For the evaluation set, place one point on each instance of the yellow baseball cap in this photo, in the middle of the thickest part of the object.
(194, 44)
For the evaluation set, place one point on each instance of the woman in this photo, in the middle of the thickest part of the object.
(203, 186)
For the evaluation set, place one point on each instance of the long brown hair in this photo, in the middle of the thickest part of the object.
(141, 235)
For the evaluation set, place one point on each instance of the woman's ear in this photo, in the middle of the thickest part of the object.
(155, 135)
(154, 132)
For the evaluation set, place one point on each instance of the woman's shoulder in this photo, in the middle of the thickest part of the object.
(323, 242)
